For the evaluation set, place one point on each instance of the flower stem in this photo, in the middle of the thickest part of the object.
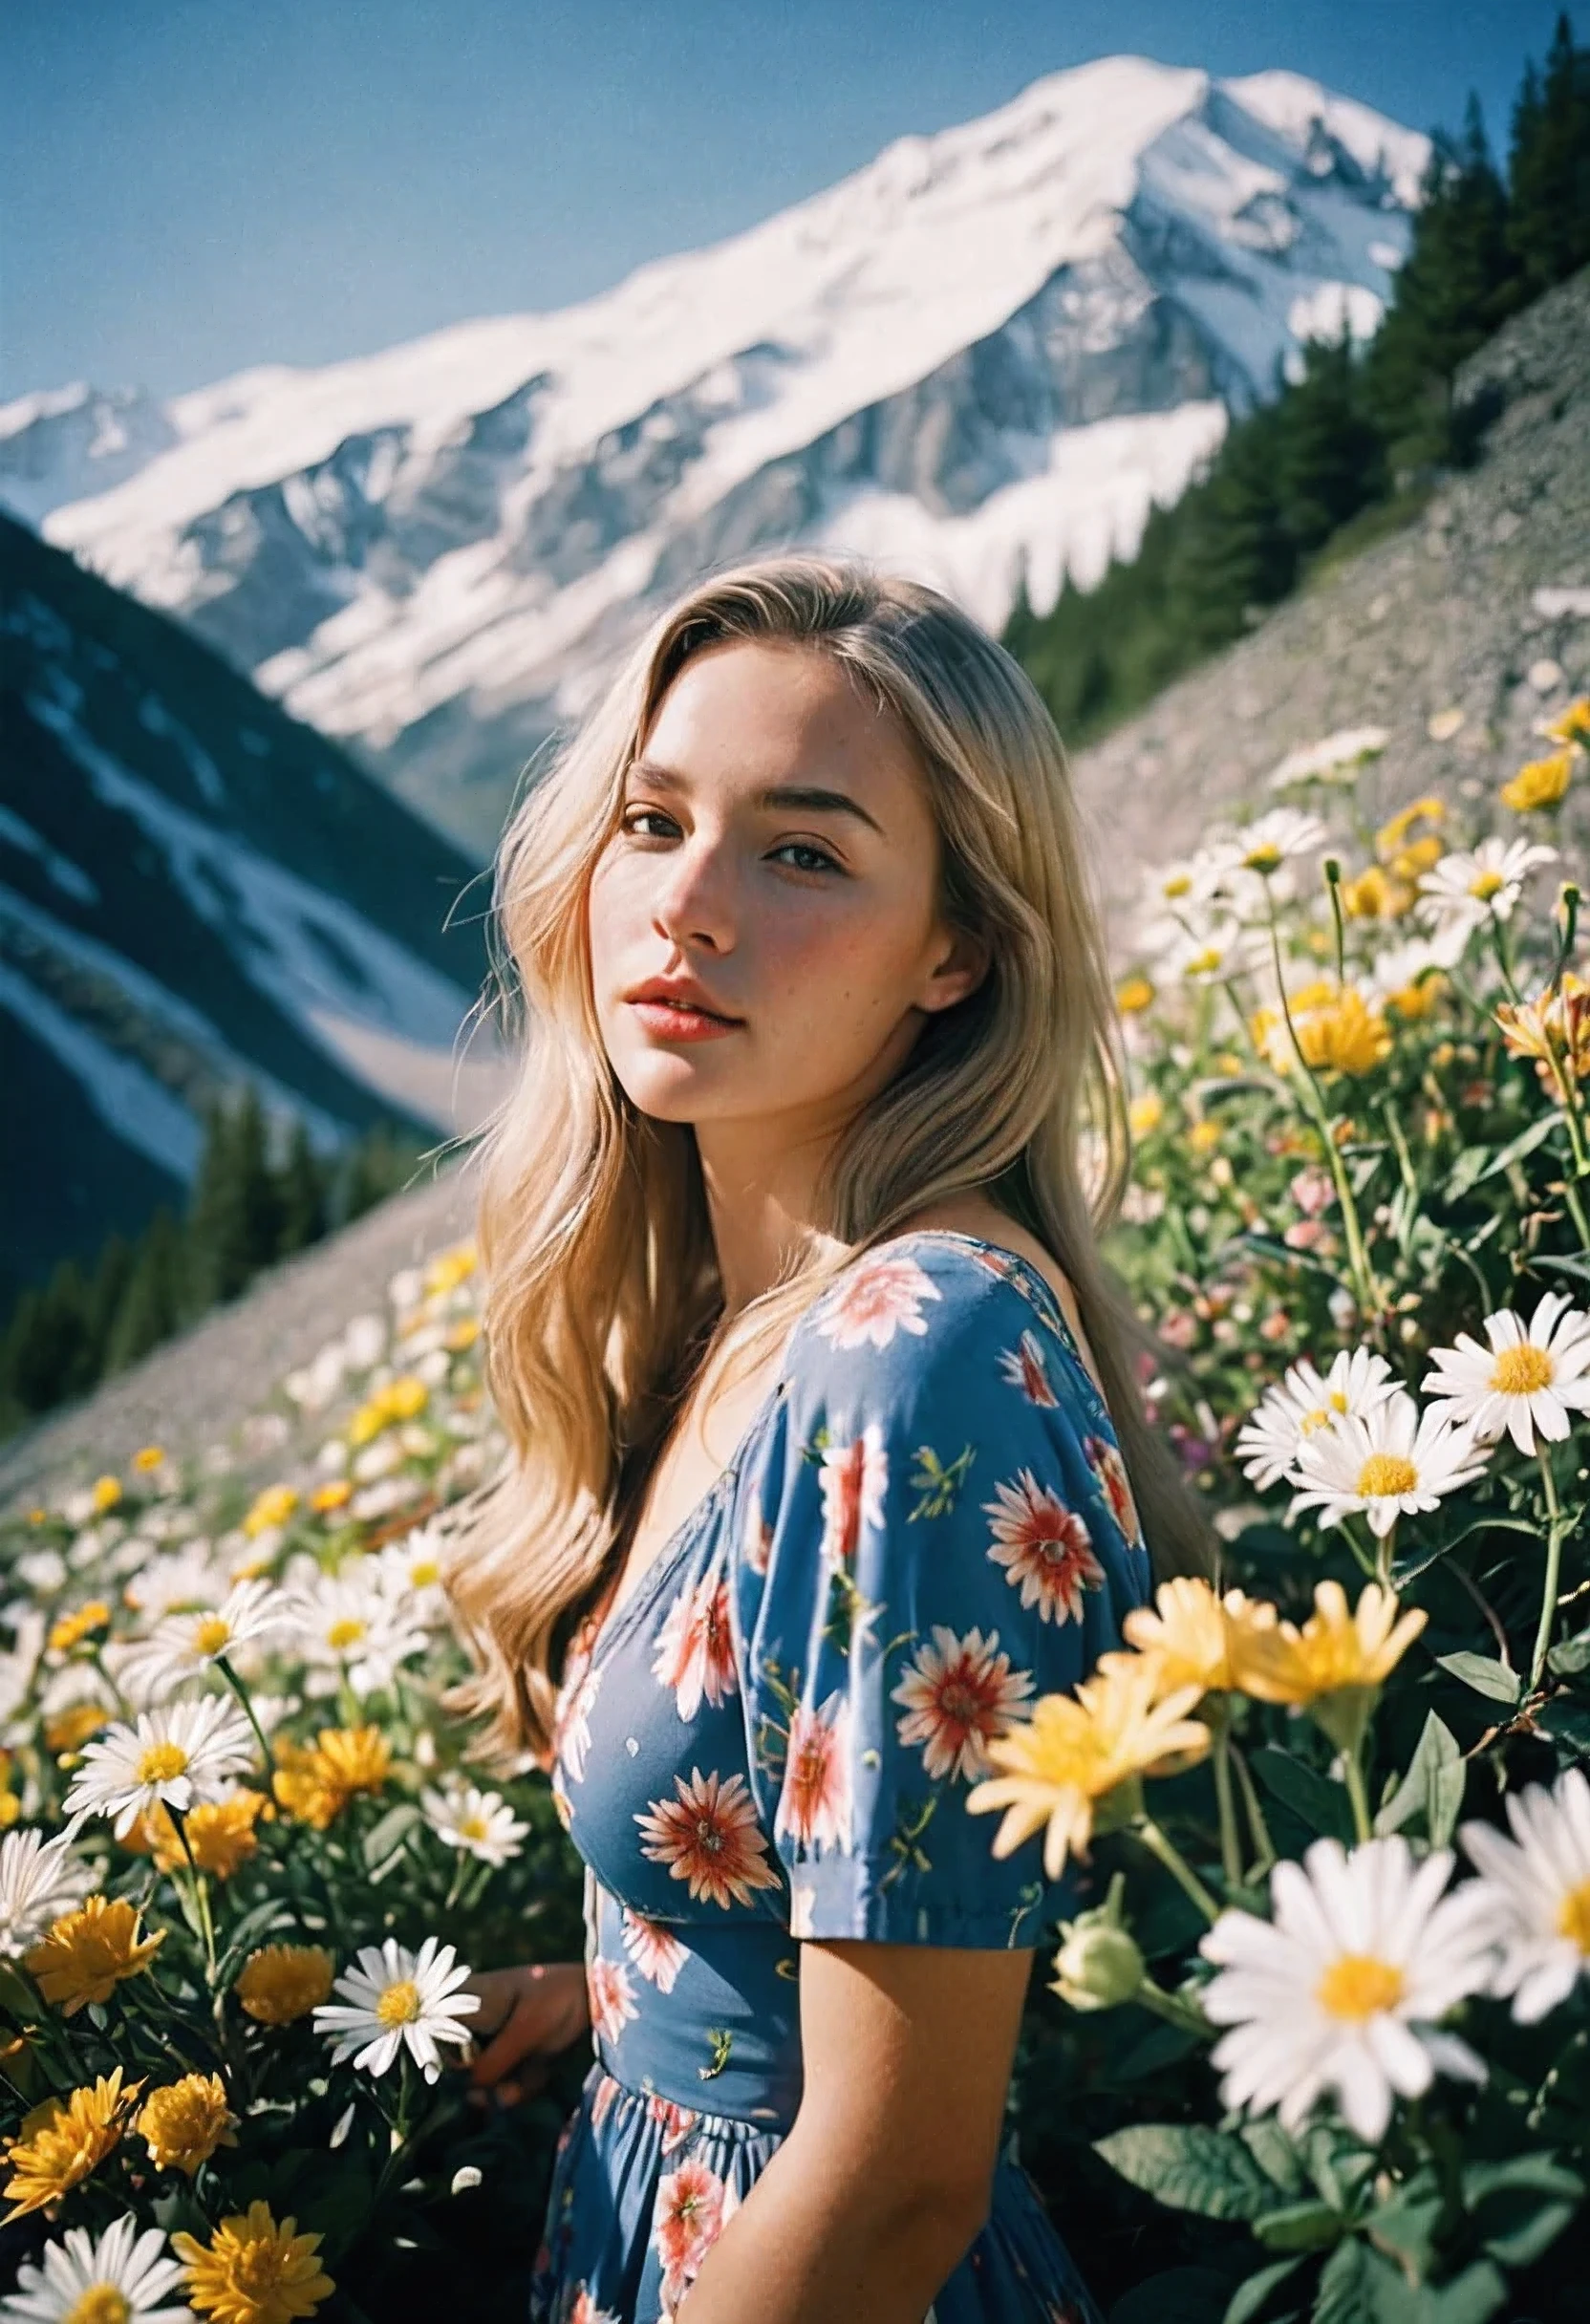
(241, 1693)
(1369, 1290)
(1362, 1821)
(1231, 1850)
(1257, 1822)
(1176, 1866)
(1554, 1570)
(1174, 2010)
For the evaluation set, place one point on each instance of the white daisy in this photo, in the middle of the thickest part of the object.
(1342, 1989)
(1280, 837)
(121, 2275)
(1465, 889)
(179, 1754)
(1206, 951)
(1181, 885)
(192, 1575)
(39, 1880)
(1336, 759)
(1400, 965)
(1530, 1377)
(1301, 1402)
(186, 1645)
(1540, 1882)
(409, 1572)
(343, 1623)
(1388, 1462)
(394, 1998)
(479, 1823)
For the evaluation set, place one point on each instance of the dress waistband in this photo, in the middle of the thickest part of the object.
(677, 2118)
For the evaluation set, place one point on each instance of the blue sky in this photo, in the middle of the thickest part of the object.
(187, 186)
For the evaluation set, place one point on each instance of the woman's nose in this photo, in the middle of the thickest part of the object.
(695, 901)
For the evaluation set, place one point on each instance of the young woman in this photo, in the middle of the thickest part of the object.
(817, 1396)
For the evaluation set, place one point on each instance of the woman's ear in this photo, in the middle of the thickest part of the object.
(959, 970)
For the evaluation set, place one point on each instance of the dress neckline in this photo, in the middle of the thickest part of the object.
(664, 1559)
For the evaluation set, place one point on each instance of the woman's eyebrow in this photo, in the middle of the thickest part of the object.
(813, 797)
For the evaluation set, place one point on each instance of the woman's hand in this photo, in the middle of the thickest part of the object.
(529, 2014)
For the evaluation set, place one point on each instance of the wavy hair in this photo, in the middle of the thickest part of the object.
(601, 1298)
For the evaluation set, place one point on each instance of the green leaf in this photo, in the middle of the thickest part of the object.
(1577, 1267)
(1568, 1723)
(1358, 2285)
(1274, 2153)
(1514, 2228)
(385, 1837)
(1300, 2227)
(1416, 1561)
(1475, 1164)
(1485, 1675)
(1189, 2167)
(1323, 1805)
(1250, 2297)
(1570, 1656)
(1433, 1787)
(1409, 2222)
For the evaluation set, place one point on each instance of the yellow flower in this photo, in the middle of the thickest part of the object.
(60, 2142)
(10, 1808)
(1573, 725)
(1394, 832)
(1338, 1659)
(464, 1333)
(1541, 783)
(1145, 1113)
(283, 1982)
(73, 1628)
(107, 1492)
(1076, 1749)
(315, 1786)
(148, 1456)
(335, 1496)
(253, 2272)
(1418, 999)
(88, 1950)
(220, 1832)
(401, 1399)
(1204, 1137)
(450, 1268)
(183, 2123)
(1554, 1028)
(1133, 995)
(1338, 1030)
(69, 1728)
(1194, 1638)
(1374, 896)
(271, 1507)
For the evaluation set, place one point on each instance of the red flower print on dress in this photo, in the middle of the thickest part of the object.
(1045, 1548)
(694, 1652)
(692, 2205)
(602, 2098)
(585, 2310)
(853, 1479)
(814, 1802)
(957, 1693)
(1024, 1366)
(1104, 1460)
(757, 1544)
(572, 1713)
(708, 1836)
(654, 1948)
(675, 2122)
(611, 1997)
(877, 1298)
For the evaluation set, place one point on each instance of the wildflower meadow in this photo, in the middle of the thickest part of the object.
(1316, 2043)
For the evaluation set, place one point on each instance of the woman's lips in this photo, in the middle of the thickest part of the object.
(671, 1021)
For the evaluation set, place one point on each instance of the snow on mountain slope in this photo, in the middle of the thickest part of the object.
(988, 346)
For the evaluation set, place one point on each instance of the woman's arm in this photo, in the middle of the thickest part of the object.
(885, 2177)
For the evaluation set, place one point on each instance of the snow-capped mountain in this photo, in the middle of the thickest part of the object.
(194, 890)
(989, 348)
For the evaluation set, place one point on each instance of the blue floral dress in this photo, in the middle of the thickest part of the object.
(926, 1526)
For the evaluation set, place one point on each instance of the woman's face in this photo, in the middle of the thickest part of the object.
(777, 862)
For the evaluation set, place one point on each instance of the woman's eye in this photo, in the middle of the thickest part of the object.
(641, 814)
(825, 862)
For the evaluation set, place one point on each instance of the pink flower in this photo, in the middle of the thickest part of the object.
(611, 1997)
(601, 2103)
(654, 1948)
(814, 1802)
(694, 1652)
(878, 1297)
(1104, 1460)
(676, 2122)
(585, 2310)
(1024, 1366)
(757, 1544)
(708, 1836)
(692, 2205)
(957, 1693)
(571, 1711)
(1044, 1547)
(853, 1479)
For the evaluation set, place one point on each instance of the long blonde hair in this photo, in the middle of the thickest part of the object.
(600, 1281)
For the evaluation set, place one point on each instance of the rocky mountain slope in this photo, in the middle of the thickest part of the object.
(194, 888)
(989, 346)
(1455, 635)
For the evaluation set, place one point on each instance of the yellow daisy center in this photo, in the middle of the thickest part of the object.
(345, 1633)
(1263, 858)
(1204, 963)
(1518, 1371)
(1386, 1474)
(423, 1572)
(399, 2004)
(1573, 1921)
(1310, 1421)
(1485, 884)
(99, 2304)
(1359, 1986)
(161, 1763)
(1178, 884)
(211, 1634)
(473, 1827)
(1337, 1400)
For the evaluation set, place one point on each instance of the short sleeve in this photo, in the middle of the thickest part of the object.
(942, 1531)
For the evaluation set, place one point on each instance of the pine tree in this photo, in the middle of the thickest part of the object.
(1548, 226)
(151, 1308)
(259, 1198)
(301, 1193)
(112, 1273)
(219, 1244)
(49, 1354)
(1233, 553)
(1329, 451)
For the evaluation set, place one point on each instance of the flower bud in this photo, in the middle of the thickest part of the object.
(1099, 1964)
